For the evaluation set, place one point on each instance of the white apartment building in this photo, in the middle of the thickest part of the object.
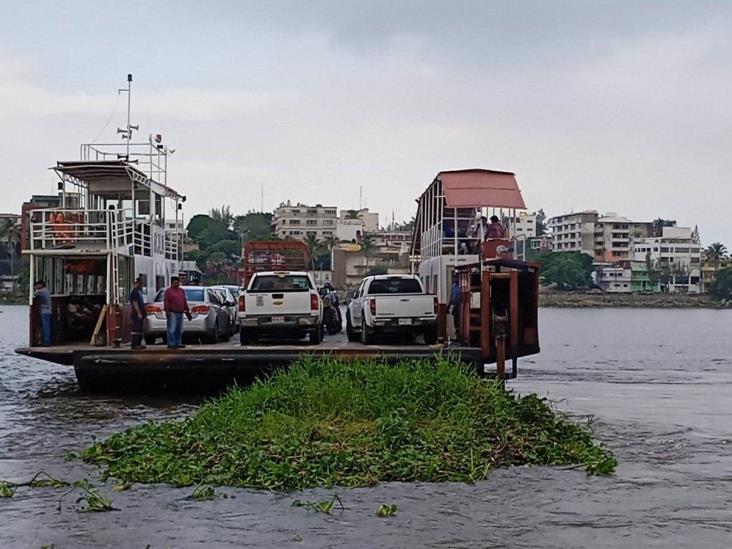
(349, 230)
(677, 254)
(300, 220)
(573, 232)
(369, 219)
(523, 225)
(612, 278)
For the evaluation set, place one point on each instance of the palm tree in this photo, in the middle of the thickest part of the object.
(715, 253)
(222, 215)
(313, 246)
(367, 246)
(10, 233)
(352, 214)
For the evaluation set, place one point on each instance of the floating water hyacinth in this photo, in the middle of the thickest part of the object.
(327, 423)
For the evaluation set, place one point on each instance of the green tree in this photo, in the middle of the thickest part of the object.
(721, 287)
(10, 235)
(352, 214)
(197, 225)
(540, 223)
(222, 215)
(715, 253)
(314, 246)
(253, 226)
(368, 244)
(568, 270)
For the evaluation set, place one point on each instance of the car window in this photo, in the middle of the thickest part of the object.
(280, 283)
(194, 294)
(213, 297)
(394, 286)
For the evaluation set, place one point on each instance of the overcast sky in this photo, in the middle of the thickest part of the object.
(616, 106)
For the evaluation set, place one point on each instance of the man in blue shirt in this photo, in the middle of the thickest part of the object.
(455, 302)
(137, 300)
(43, 302)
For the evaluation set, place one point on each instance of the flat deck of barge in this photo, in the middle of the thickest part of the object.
(208, 366)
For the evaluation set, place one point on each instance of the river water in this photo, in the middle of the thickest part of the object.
(658, 383)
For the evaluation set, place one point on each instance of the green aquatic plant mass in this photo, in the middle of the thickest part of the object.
(327, 422)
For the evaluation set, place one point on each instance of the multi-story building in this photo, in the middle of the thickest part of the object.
(298, 221)
(673, 261)
(369, 219)
(614, 237)
(573, 232)
(523, 225)
(614, 277)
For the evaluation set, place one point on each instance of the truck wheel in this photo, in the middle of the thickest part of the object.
(316, 336)
(430, 335)
(366, 337)
(245, 338)
(350, 334)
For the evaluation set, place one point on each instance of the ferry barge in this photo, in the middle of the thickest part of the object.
(119, 219)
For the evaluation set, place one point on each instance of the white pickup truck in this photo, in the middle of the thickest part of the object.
(282, 303)
(391, 304)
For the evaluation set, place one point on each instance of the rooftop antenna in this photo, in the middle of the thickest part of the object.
(127, 133)
(360, 196)
(261, 197)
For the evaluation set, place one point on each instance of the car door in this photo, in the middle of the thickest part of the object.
(357, 306)
(215, 302)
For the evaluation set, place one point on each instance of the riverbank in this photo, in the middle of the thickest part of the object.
(645, 301)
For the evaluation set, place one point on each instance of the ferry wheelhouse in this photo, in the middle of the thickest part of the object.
(118, 219)
(498, 287)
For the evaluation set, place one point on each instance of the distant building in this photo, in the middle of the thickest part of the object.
(614, 237)
(614, 278)
(523, 225)
(300, 220)
(672, 261)
(369, 219)
(573, 232)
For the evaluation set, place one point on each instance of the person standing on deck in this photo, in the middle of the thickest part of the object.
(175, 304)
(495, 229)
(454, 304)
(43, 300)
(138, 314)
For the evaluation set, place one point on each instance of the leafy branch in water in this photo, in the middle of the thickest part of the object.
(39, 480)
(325, 506)
(89, 499)
(386, 510)
(325, 423)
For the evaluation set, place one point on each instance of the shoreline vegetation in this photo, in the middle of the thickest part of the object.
(578, 299)
(327, 423)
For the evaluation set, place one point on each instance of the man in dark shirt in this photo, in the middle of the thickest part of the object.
(454, 304)
(137, 300)
(176, 304)
(43, 302)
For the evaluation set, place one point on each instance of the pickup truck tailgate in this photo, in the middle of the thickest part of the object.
(416, 305)
(266, 303)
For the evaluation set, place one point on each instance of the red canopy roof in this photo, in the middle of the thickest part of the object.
(477, 187)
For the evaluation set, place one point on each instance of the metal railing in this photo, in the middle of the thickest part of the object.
(95, 230)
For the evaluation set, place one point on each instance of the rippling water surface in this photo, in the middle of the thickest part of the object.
(658, 383)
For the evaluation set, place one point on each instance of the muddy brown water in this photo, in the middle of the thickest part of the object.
(658, 383)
